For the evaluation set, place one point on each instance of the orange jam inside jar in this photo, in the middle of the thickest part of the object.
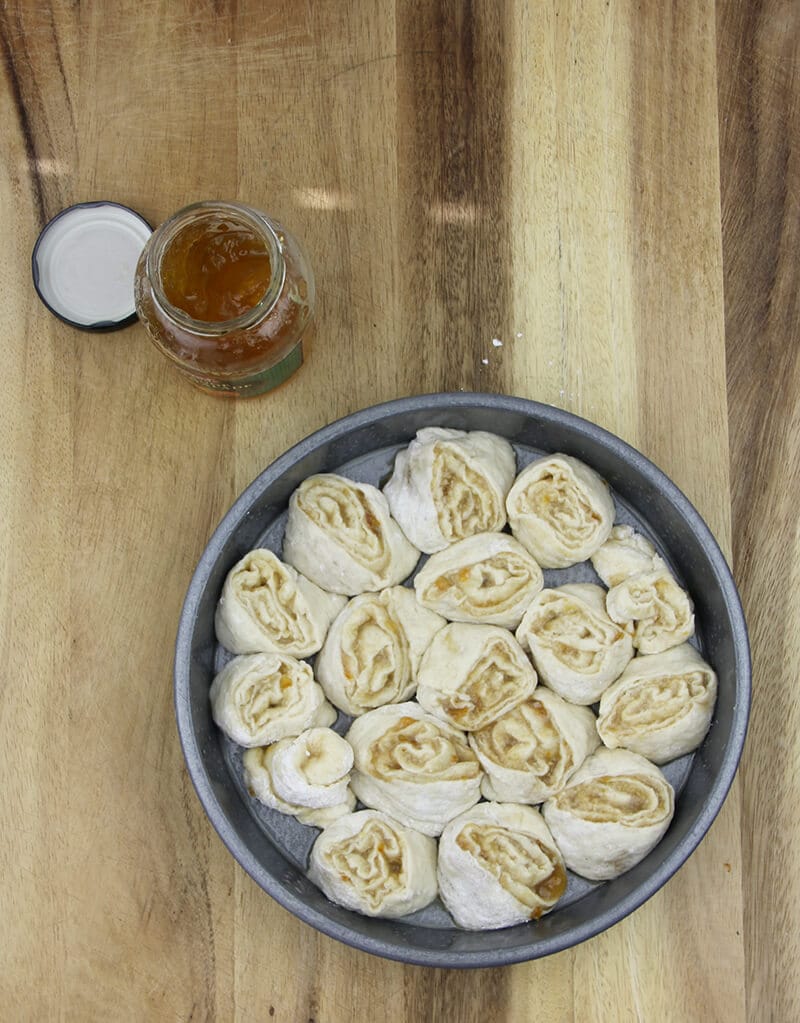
(227, 294)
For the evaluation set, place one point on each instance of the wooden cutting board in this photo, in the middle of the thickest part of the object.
(520, 198)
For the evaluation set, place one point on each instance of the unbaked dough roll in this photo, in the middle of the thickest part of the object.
(661, 705)
(577, 649)
(258, 766)
(614, 810)
(624, 553)
(660, 610)
(499, 866)
(370, 863)
(448, 485)
(259, 698)
(340, 534)
(268, 607)
(488, 579)
(313, 769)
(560, 510)
(373, 650)
(471, 674)
(413, 766)
(531, 752)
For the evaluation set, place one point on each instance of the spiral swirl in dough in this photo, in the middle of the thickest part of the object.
(372, 864)
(448, 485)
(661, 705)
(373, 649)
(577, 649)
(612, 812)
(560, 510)
(258, 766)
(268, 607)
(471, 674)
(531, 752)
(413, 766)
(624, 553)
(499, 866)
(661, 611)
(259, 698)
(340, 534)
(487, 579)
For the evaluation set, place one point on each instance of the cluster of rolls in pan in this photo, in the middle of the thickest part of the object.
(469, 690)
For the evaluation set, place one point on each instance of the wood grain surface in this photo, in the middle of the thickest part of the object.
(610, 190)
(758, 51)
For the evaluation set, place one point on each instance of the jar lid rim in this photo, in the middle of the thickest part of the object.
(84, 262)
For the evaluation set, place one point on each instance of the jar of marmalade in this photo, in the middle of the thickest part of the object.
(227, 295)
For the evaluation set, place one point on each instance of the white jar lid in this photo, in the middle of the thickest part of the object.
(84, 263)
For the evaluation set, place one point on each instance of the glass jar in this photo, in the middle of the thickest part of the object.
(260, 346)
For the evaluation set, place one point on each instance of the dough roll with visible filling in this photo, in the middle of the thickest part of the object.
(560, 510)
(499, 866)
(661, 612)
(577, 649)
(471, 674)
(370, 863)
(373, 649)
(612, 813)
(268, 607)
(487, 579)
(661, 705)
(448, 485)
(259, 698)
(340, 534)
(532, 751)
(413, 766)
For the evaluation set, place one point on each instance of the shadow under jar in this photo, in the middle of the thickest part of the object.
(227, 294)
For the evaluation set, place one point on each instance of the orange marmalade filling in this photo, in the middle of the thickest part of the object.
(215, 270)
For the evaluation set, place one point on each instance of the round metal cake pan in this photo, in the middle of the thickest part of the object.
(363, 446)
